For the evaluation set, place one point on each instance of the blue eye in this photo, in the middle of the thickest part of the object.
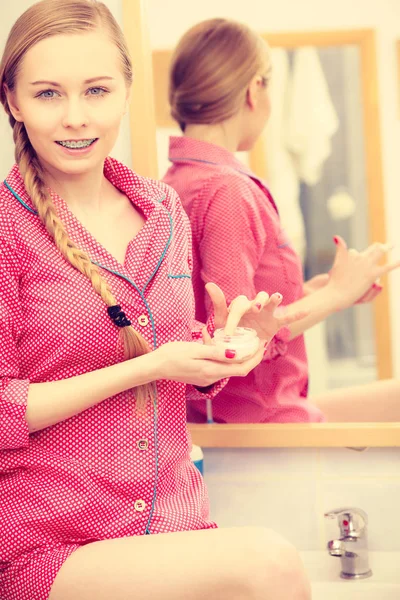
(45, 95)
(97, 91)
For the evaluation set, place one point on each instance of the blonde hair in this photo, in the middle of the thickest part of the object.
(210, 70)
(43, 20)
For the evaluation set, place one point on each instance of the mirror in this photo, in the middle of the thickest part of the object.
(350, 190)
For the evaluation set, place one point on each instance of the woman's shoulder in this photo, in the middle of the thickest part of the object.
(240, 186)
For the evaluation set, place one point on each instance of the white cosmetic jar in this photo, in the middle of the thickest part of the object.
(244, 341)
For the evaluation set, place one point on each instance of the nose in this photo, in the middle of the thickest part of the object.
(75, 115)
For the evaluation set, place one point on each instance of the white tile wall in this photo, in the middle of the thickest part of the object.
(289, 490)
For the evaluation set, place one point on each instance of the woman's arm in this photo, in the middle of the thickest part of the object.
(352, 275)
(52, 402)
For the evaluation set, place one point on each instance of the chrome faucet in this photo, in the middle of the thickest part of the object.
(352, 546)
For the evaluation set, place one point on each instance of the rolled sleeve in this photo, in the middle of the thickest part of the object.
(278, 346)
(209, 392)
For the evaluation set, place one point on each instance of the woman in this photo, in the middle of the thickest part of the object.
(96, 338)
(218, 92)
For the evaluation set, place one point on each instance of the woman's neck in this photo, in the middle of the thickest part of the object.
(82, 190)
(224, 134)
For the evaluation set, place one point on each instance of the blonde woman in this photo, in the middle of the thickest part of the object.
(218, 93)
(96, 348)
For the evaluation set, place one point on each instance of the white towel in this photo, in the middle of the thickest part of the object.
(312, 119)
(282, 178)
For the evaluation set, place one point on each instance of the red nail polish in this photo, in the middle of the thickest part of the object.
(335, 239)
(258, 305)
(230, 353)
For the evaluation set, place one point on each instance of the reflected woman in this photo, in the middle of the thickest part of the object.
(218, 93)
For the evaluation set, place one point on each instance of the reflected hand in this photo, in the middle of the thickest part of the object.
(354, 273)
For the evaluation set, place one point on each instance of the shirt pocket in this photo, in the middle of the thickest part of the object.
(179, 283)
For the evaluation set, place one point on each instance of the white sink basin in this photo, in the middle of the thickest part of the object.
(324, 572)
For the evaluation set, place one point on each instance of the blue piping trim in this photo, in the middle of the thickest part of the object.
(179, 276)
(31, 210)
(171, 224)
(153, 503)
(210, 162)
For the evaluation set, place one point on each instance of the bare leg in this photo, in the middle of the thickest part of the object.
(374, 402)
(217, 564)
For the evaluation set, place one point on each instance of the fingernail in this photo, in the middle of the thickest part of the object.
(258, 305)
(278, 295)
(335, 239)
(230, 353)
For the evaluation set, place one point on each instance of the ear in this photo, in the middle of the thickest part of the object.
(252, 92)
(12, 104)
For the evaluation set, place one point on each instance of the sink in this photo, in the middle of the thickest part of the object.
(326, 583)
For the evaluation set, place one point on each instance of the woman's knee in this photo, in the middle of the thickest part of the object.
(273, 567)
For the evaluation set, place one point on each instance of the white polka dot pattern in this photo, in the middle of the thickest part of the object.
(239, 245)
(78, 481)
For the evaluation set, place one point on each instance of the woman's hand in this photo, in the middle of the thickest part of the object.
(200, 365)
(260, 314)
(354, 273)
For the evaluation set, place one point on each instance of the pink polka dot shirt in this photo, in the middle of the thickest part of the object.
(105, 472)
(239, 244)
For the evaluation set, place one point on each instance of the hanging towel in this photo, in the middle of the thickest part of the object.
(312, 119)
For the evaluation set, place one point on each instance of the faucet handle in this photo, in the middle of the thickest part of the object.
(352, 521)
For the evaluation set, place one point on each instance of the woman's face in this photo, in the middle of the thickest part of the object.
(71, 95)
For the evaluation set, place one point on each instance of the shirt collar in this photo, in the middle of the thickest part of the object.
(118, 174)
(189, 149)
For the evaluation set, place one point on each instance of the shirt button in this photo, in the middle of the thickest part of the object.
(143, 444)
(140, 505)
(143, 320)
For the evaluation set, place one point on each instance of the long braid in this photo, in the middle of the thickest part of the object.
(132, 342)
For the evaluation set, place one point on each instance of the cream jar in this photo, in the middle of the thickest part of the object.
(244, 341)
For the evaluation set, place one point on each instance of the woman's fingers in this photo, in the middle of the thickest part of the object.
(207, 341)
(274, 302)
(212, 352)
(341, 249)
(237, 309)
(259, 302)
(219, 304)
(377, 251)
(384, 269)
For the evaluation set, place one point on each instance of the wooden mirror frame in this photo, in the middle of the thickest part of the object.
(143, 132)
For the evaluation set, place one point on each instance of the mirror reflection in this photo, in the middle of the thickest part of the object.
(268, 158)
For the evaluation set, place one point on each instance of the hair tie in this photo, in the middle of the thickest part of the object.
(118, 316)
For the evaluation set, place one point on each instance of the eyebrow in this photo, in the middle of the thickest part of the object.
(55, 84)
